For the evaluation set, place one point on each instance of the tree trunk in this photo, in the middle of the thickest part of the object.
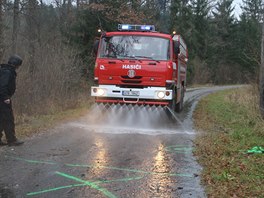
(1, 31)
(78, 4)
(69, 6)
(261, 78)
(32, 35)
(15, 26)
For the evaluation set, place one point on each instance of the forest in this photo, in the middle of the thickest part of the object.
(55, 40)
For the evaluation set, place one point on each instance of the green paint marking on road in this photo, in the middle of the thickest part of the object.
(94, 184)
(108, 167)
(78, 185)
(178, 149)
(91, 184)
(120, 180)
(131, 170)
(54, 189)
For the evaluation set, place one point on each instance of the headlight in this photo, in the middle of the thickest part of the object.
(161, 94)
(99, 91)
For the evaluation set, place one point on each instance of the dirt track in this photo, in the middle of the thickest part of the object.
(118, 153)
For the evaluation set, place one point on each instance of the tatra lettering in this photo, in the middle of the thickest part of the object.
(131, 66)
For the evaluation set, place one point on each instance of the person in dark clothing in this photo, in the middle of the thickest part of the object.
(7, 90)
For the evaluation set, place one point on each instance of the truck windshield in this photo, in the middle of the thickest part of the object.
(135, 47)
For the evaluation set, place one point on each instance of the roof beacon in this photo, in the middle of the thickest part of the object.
(128, 27)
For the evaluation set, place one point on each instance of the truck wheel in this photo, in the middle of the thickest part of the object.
(172, 103)
(179, 106)
(171, 108)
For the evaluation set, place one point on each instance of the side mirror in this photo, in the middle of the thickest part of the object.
(95, 47)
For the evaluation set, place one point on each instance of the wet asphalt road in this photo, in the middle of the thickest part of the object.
(118, 153)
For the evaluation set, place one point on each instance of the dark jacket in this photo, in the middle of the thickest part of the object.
(7, 81)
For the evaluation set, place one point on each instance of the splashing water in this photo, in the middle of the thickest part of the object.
(131, 118)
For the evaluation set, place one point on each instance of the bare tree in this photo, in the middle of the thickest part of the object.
(261, 78)
(1, 31)
(69, 12)
(15, 25)
(31, 33)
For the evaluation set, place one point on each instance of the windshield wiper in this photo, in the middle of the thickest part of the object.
(139, 58)
(147, 57)
(128, 56)
(110, 56)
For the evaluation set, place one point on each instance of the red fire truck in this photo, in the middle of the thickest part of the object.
(138, 65)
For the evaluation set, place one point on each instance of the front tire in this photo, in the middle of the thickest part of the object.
(179, 105)
(172, 104)
(171, 107)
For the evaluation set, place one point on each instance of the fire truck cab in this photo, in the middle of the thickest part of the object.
(138, 65)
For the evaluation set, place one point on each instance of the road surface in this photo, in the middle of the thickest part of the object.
(118, 153)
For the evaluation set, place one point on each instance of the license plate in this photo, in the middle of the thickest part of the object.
(130, 93)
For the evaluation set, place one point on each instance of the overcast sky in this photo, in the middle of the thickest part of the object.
(237, 9)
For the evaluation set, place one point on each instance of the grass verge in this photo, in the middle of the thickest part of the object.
(229, 123)
(28, 125)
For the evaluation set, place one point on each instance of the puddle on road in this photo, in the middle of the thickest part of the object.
(131, 119)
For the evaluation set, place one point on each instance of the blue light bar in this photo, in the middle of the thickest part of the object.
(146, 27)
(128, 27)
(125, 27)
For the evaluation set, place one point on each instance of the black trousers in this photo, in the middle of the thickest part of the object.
(7, 123)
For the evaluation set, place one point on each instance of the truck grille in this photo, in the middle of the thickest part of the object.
(136, 77)
(134, 80)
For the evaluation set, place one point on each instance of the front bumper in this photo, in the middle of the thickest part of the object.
(149, 93)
